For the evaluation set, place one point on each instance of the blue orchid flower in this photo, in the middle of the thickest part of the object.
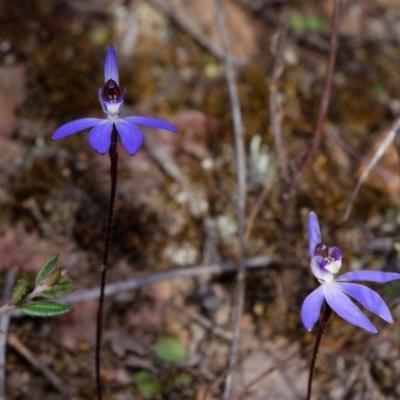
(112, 100)
(325, 263)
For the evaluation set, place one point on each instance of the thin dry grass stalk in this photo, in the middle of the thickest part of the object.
(241, 188)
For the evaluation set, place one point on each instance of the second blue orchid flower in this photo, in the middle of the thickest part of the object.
(325, 263)
(112, 100)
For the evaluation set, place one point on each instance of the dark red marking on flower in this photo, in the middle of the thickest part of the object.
(321, 250)
(111, 91)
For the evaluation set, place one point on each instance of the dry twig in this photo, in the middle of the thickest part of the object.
(176, 15)
(18, 346)
(390, 137)
(352, 377)
(263, 375)
(275, 109)
(207, 324)
(218, 381)
(241, 198)
(275, 115)
(382, 172)
(4, 324)
(134, 283)
(174, 273)
(257, 207)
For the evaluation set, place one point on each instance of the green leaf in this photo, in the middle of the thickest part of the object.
(392, 289)
(183, 380)
(297, 22)
(316, 24)
(170, 349)
(58, 290)
(379, 89)
(53, 277)
(301, 23)
(146, 384)
(40, 308)
(21, 288)
(44, 272)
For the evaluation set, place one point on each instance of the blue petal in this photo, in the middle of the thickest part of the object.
(368, 276)
(131, 137)
(343, 306)
(314, 233)
(368, 298)
(75, 126)
(100, 137)
(111, 65)
(152, 122)
(311, 308)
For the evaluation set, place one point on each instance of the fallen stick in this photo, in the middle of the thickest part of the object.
(174, 273)
(185, 272)
(19, 347)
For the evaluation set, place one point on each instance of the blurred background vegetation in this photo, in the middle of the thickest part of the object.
(176, 198)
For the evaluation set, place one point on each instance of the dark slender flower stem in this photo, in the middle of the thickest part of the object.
(113, 173)
(322, 326)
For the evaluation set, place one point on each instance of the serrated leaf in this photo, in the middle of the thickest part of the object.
(40, 308)
(170, 349)
(21, 288)
(44, 272)
(146, 384)
(58, 290)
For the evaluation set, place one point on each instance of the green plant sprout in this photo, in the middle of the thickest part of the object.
(32, 298)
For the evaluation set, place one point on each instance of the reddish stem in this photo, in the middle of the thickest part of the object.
(113, 173)
(323, 107)
(322, 326)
